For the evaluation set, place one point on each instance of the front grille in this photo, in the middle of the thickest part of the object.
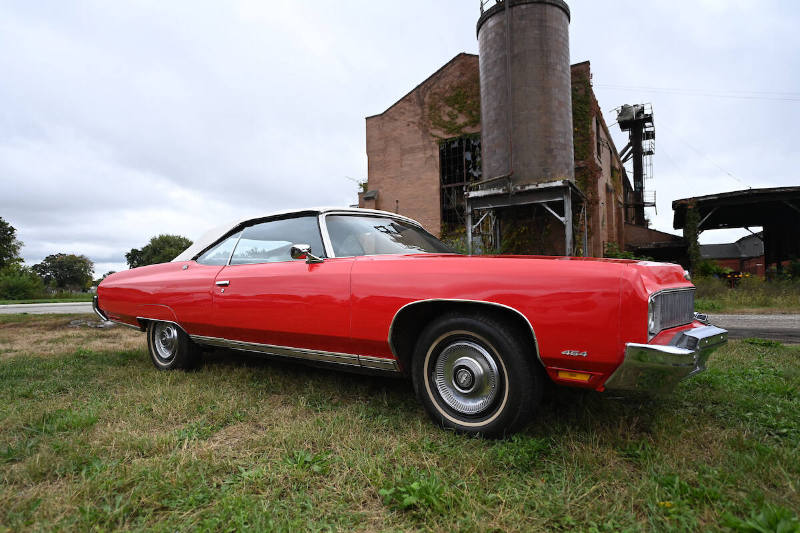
(672, 308)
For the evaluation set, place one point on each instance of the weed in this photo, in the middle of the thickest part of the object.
(706, 305)
(640, 451)
(200, 430)
(755, 341)
(62, 420)
(767, 519)
(521, 452)
(18, 451)
(319, 463)
(423, 493)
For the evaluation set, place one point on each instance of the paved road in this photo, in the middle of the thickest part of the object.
(40, 309)
(783, 328)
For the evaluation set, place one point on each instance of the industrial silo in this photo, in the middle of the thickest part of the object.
(526, 97)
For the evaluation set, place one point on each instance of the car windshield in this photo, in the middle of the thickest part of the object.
(374, 235)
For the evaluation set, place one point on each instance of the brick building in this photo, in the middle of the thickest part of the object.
(426, 147)
(744, 255)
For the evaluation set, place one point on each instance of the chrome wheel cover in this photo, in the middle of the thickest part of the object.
(165, 341)
(466, 376)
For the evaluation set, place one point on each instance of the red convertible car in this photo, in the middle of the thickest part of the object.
(478, 335)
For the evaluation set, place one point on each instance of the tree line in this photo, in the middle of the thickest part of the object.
(63, 273)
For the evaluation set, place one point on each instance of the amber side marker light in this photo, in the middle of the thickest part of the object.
(577, 376)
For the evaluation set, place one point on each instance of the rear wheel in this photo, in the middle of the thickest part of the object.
(170, 347)
(476, 375)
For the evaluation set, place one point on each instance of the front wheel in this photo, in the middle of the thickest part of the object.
(170, 347)
(476, 375)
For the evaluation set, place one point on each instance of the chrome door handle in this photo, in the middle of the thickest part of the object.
(223, 283)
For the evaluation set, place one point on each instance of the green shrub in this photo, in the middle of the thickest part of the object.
(613, 251)
(710, 288)
(455, 238)
(19, 283)
(793, 270)
(707, 268)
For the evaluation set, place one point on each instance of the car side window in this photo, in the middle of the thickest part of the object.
(271, 242)
(219, 253)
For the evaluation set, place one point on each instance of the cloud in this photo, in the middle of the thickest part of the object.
(711, 70)
(123, 121)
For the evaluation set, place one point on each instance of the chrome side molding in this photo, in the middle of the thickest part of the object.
(137, 328)
(345, 359)
(378, 363)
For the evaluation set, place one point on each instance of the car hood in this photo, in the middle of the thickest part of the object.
(650, 275)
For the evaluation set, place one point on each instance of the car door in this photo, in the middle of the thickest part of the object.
(190, 293)
(265, 297)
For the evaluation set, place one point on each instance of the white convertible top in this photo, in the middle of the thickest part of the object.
(211, 236)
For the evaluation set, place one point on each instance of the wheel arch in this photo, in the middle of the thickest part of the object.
(412, 318)
(156, 313)
(144, 322)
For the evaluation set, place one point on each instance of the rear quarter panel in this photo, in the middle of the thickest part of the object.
(165, 291)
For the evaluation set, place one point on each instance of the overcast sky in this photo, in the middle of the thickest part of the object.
(120, 121)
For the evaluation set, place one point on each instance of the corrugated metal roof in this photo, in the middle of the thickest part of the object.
(720, 251)
(745, 248)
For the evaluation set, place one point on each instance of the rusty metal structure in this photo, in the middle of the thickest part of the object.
(777, 210)
(638, 121)
(526, 100)
(526, 122)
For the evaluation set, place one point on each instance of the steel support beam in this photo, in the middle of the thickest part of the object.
(792, 205)
(522, 198)
(468, 215)
(700, 225)
(561, 219)
(568, 237)
(626, 154)
(585, 231)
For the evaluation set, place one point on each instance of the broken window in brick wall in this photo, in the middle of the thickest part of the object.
(459, 164)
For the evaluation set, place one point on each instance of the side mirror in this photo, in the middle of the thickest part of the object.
(303, 251)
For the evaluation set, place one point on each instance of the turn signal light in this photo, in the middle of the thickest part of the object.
(577, 376)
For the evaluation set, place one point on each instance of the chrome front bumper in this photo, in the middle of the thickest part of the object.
(659, 368)
(97, 309)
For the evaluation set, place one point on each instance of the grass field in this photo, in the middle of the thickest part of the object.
(92, 436)
(751, 295)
